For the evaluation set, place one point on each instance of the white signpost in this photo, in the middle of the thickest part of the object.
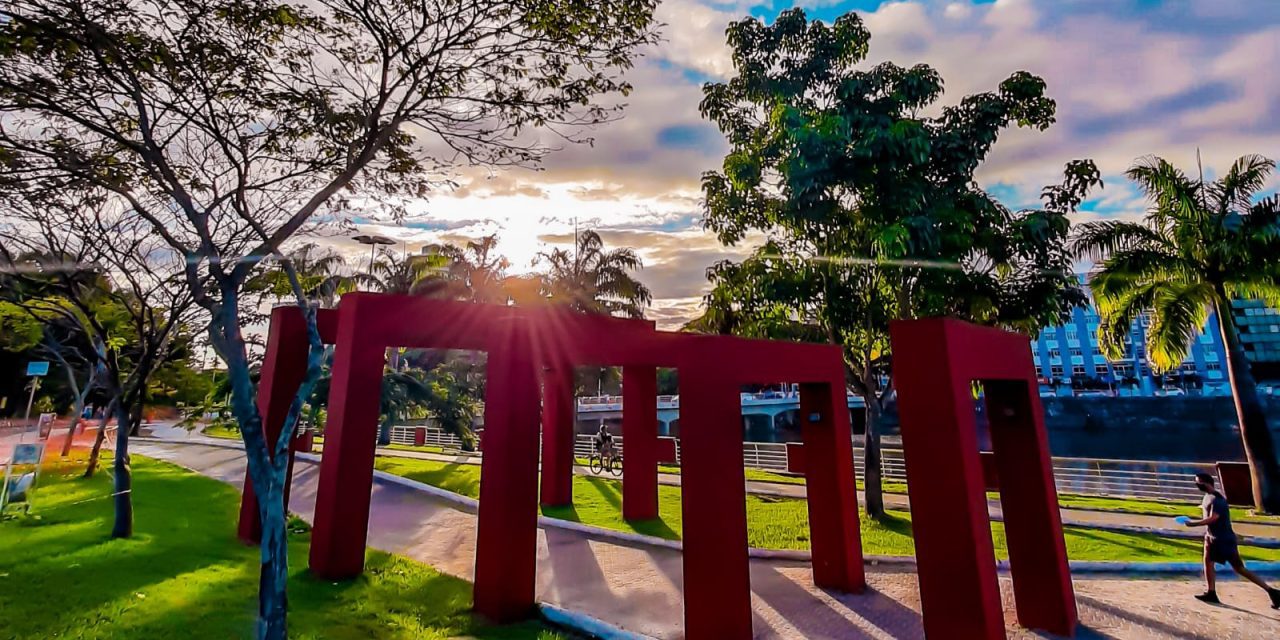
(35, 369)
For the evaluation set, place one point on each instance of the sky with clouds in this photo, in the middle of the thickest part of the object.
(1131, 77)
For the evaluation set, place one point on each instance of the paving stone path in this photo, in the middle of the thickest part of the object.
(638, 588)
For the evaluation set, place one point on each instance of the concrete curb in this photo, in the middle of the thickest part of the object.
(1083, 567)
(585, 624)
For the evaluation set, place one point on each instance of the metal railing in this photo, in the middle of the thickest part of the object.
(1085, 476)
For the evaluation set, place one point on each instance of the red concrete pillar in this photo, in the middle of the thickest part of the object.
(640, 442)
(419, 436)
(507, 530)
(829, 480)
(346, 468)
(717, 584)
(558, 433)
(959, 592)
(1042, 587)
(283, 369)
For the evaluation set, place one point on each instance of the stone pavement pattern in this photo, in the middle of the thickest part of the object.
(639, 588)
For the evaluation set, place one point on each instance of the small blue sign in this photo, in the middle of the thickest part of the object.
(38, 368)
(27, 454)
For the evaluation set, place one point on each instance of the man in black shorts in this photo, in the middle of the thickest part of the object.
(1220, 542)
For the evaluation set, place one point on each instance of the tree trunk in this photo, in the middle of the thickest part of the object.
(122, 490)
(384, 430)
(273, 597)
(71, 433)
(1259, 447)
(135, 415)
(872, 477)
(99, 438)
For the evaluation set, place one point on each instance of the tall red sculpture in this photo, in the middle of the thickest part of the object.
(935, 363)
(529, 394)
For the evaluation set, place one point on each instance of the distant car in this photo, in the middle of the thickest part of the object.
(1170, 391)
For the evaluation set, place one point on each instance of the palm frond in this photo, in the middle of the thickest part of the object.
(1177, 197)
(1096, 240)
(1247, 175)
(1117, 316)
(1179, 312)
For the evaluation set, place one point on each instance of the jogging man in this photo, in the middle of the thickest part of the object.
(1220, 542)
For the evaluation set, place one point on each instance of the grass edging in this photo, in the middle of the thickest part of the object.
(585, 624)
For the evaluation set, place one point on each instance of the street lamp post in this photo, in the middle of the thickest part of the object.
(373, 241)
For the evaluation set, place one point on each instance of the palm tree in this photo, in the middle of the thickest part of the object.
(319, 273)
(593, 280)
(477, 270)
(421, 274)
(1200, 246)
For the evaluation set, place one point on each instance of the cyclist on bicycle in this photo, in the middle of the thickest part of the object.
(604, 442)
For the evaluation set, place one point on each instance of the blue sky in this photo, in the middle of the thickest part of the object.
(1131, 77)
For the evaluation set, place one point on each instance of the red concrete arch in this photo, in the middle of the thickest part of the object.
(531, 352)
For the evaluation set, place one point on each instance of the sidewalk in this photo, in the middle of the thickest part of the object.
(639, 588)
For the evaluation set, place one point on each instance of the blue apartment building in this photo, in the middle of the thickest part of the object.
(1069, 362)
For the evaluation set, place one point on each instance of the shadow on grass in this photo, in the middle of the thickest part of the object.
(184, 575)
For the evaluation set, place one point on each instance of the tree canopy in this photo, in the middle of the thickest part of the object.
(867, 209)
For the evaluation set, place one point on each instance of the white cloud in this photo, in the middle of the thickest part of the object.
(1129, 80)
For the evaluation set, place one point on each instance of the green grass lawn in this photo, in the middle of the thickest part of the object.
(184, 575)
(411, 447)
(1155, 507)
(783, 523)
(221, 431)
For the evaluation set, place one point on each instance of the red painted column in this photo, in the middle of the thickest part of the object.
(507, 530)
(640, 442)
(717, 584)
(829, 481)
(1042, 586)
(959, 593)
(346, 468)
(558, 408)
(283, 369)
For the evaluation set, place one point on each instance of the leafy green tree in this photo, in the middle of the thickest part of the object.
(228, 126)
(869, 208)
(592, 279)
(319, 275)
(121, 301)
(1201, 245)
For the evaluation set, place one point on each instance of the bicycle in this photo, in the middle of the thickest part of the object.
(599, 463)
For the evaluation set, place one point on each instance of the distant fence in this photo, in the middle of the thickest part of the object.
(1086, 476)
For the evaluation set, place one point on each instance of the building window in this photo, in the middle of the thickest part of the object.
(1076, 352)
(1072, 335)
(1100, 371)
(1215, 375)
(1078, 370)
(1052, 344)
(1213, 366)
(1054, 353)
(1055, 370)
(1039, 371)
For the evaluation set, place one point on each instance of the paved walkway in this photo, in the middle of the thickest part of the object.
(639, 588)
(1081, 517)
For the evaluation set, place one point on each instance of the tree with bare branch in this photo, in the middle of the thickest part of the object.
(228, 126)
